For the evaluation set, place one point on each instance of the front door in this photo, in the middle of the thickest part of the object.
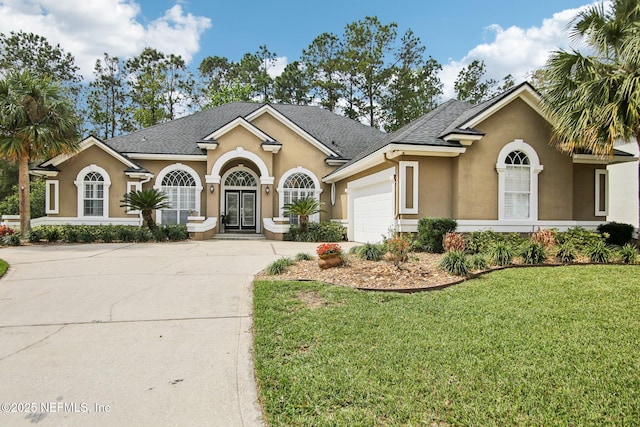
(241, 210)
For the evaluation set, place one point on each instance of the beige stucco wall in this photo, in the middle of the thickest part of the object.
(584, 184)
(435, 187)
(476, 178)
(68, 174)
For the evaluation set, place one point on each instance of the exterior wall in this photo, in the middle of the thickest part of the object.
(584, 184)
(435, 187)
(476, 179)
(69, 192)
(295, 152)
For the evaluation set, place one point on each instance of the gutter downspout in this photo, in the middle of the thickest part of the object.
(396, 201)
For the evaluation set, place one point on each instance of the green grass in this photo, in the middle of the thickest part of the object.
(527, 347)
(3, 267)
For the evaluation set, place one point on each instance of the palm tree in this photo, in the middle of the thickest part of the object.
(303, 208)
(36, 121)
(593, 99)
(146, 201)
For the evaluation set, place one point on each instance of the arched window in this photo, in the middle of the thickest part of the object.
(518, 167)
(517, 190)
(93, 194)
(240, 178)
(297, 186)
(180, 188)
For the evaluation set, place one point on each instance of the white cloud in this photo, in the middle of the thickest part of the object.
(514, 50)
(277, 66)
(87, 29)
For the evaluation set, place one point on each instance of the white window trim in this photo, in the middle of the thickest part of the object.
(598, 211)
(281, 189)
(48, 209)
(185, 168)
(133, 186)
(534, 169)
(79, 182)
(404, 165)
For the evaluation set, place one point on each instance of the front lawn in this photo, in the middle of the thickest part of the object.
(540, 346)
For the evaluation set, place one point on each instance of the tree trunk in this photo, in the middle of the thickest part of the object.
(24, 195)
(638, 143)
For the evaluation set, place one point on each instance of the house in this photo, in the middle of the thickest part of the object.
(488, 166)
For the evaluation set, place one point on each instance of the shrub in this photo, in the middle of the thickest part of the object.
(87, 234)
(598, 252)
(453, 242)
(547, 238)
(5, 229)
(11, 206)
(107, 234)
(399, 246)
(35, 235)
(70, 234)
(52, 233)
(143, 235)
(431, 232)
(501, 253)
(533, 252)
(317, 232)
(578, 237)
(126, 234)
(616, 233)
(478, 262)
(175, 232)
(302, 256)
(11, 239)
(456, 263)
(279, 266)
(482, 241)
(566, 253)
(370, 252)
(629, 254)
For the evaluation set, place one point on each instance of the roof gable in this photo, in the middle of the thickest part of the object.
(239, 122)
(89, 142)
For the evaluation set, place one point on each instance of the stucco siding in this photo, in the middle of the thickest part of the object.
(584, 189)
(435, 187)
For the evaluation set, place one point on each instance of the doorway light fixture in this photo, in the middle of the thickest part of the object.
(267, 190)
(212, 188)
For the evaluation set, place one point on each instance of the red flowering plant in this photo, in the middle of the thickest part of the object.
(327, 249)
(6, 230)
(399, 247)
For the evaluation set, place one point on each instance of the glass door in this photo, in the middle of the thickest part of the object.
(232, 203)
(248, 209)
(240, 208)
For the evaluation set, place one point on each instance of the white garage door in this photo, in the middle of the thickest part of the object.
(372, 212)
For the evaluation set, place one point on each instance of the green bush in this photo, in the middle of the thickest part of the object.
(303, 256)
(566, 253)
(616, 233)
(579, 237)
(478, 262)
(175, 232)
(279, 266)
(370, 252)
(317, 232)
(533, 253)
(35, 235)
(87, 234)
(456, 263)
(431, 231)
(11, 239)
(143, 235)
(70, 233)
(629, 254)
(52, 233)
(107, 233)
(501, 253)
(10, 205)
(598, 252)
(481, 241)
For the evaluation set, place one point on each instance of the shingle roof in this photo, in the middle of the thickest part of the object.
(340, 134)
(426, 130)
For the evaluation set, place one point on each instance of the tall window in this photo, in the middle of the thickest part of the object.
(93, 194)
(180, 188)
(518, 167)
(517, 196)
(297, 186)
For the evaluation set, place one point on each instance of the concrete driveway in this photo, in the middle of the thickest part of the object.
(131, 334)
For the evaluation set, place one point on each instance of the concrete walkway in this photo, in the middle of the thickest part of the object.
(131, 334)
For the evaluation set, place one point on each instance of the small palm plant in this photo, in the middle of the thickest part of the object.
(303, 208)
(146, 201)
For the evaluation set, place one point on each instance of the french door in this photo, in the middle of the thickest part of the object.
(241, 209)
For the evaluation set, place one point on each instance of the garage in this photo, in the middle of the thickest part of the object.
(371, 203)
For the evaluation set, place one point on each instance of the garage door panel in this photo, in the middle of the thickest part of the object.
(372, 212)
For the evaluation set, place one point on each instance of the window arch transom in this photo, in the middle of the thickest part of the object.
(240, 178)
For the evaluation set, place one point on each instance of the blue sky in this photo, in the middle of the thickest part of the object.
(510, 36)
